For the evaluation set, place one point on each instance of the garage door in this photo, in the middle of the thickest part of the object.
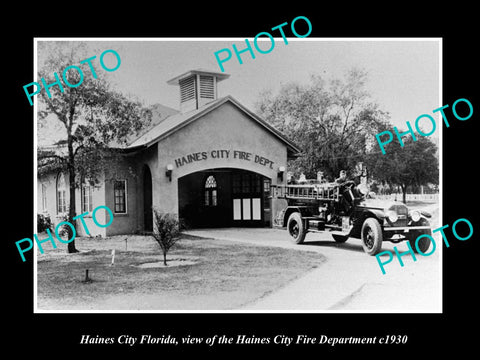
(247, 198)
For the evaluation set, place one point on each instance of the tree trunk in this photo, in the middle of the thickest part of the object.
(165, 258)
(71, 208)
(404, 193)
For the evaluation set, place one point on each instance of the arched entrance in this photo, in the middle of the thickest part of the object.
(147, 200)
(224, 197)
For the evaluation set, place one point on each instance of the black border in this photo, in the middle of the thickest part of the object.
(59, 334)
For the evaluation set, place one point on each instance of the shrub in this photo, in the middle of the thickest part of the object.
(166, 231)
(43, 223)
(65, 231)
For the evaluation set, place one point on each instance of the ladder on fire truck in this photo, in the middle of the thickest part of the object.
(324, 191)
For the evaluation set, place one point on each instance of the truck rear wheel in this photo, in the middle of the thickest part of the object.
(295, 228)
(372, 236)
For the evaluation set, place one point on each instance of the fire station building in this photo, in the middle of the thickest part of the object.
(212, 163)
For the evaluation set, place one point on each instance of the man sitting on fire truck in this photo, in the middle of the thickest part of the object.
(346, 190)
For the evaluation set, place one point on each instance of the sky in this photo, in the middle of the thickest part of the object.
(403, 74)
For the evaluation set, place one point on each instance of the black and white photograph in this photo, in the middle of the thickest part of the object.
(253, 186)
(266, 183)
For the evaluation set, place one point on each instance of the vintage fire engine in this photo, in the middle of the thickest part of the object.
(345, 210)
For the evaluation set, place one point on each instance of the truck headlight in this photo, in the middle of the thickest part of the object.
(415, 215)
(392, 215)
(362, 189)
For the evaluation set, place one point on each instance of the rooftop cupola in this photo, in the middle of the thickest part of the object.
(197, 88)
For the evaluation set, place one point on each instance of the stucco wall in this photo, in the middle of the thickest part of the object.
(123, 223)
(225, 128)
(132, 169)
(98, 199)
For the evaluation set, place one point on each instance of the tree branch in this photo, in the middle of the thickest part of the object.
(60, 116)
(347, 115)
(76, 150)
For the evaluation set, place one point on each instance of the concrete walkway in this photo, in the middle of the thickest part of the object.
(350, 280)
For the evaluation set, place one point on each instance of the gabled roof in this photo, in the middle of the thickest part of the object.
(159, 113)
(175, 122)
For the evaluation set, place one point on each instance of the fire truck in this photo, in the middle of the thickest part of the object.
(346, 210)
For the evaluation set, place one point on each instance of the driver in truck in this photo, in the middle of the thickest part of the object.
(342, 178)
(346, 190)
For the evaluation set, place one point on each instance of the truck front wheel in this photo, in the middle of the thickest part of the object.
(372, 236)
(424, 243)
(295, 228)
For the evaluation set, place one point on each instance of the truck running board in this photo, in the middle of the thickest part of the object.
(319, 225)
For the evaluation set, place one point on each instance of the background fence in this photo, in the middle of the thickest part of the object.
(410, 197)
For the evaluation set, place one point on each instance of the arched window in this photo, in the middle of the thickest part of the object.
(210, 191)
(61, 194)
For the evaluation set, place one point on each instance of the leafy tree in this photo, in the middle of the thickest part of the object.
(166, 231)
(414, 164)
(331, 122)
(92, 118)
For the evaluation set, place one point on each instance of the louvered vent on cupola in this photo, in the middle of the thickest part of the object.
(197, 88)
(207, 87)
(188, 89)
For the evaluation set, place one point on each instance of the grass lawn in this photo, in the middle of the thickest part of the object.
(224, 275)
